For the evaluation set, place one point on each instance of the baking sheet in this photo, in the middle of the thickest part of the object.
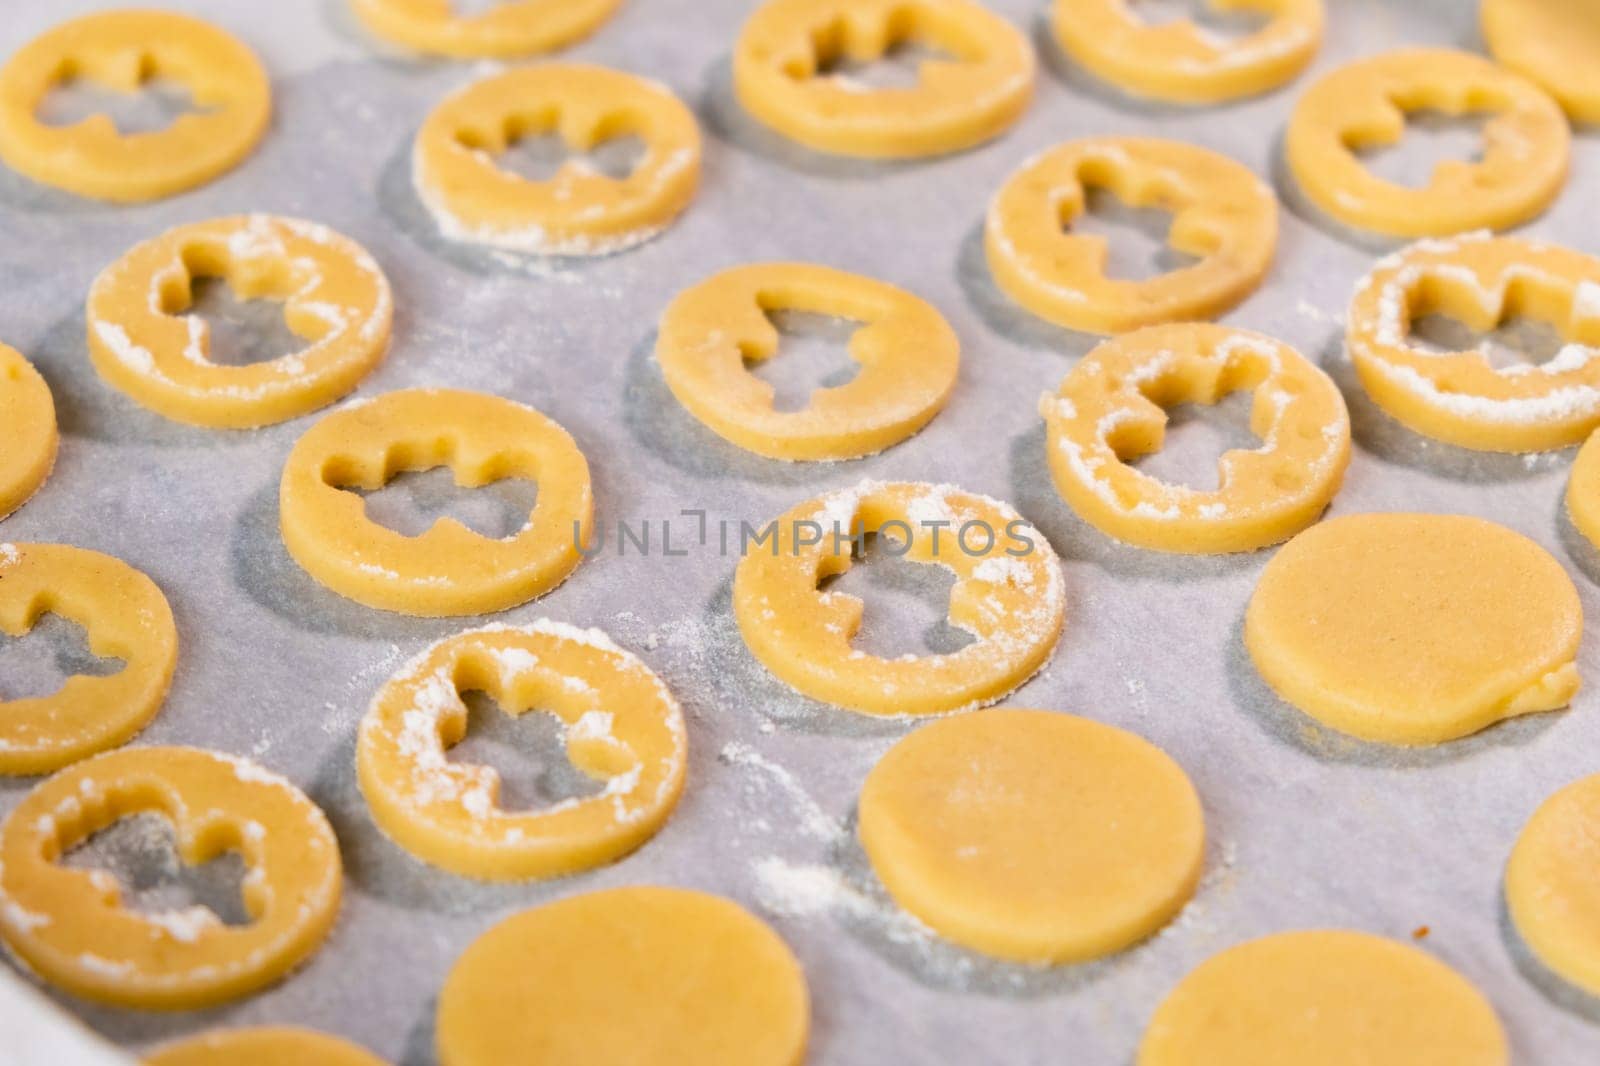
(1306, 829)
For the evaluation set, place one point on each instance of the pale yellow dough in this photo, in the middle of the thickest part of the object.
(971, 97)
(264, 1046)
(1414, 628)
(1551, 888)
(1033, 835)
(1111, 409)
(1008, 594)
(1583, 491)
(122, 50)
(579, 211)
(907, 352)
(645, 976)
(507, 29)
(1364, 105)
(622, 727)
(449, 569)
(29, 414)
(1324, 998)
(1221, 213)
(1555, 43)
(1459, 397)
(1180, 62)
(334, 297)
(69, 925)
(124, 616)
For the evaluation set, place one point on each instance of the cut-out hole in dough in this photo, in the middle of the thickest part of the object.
(413, 500)
(898, 68)
(1517, 341)
(1197, 436)
(157, 104)
(813, 354)
(907, 604)
(538, 155)
(1431, 137)
(528, 751)
(242, 331)
(38, 663)
(1136, 237)
(1205, 14)
(140, 852)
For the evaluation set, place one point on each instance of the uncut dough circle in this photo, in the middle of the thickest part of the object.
(579, 211)
(622, 726)
(1032, 835)
(334, 296)
(69, 927)
(1012, 604)
(123, 615)
(32, 439)
(1583, 491)
(1111, 408)
(262, 1046)
(1364, 104)
(449, 569)
(120, 50)
(582, 981)
(1180, 62)
(954, 105)
(1551, 889)
(907, 353)
(1415, 628)
(1324, 998)
(508, 29)
(1458, 397)
(1554, 43)
(1221, 213)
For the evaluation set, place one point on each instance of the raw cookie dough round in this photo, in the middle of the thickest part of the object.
(509, 28)
(1324, 998)
(1551, 888)
(123, 615)
(448, 570)
(263, 1046)
(1554, 43)
(579, 211)
(69, 925)
(782, 62)
(334, 297)
(1364, 105)
(1415, 628)
(622, 727)
(907, 352)
(29, 414)
(1182, 62)
(1459, 397)
(1009, 595)
(1221, 213)
(1033, 835)
(1111, 409)
(122, 50)
(648, 976)
(1583, 491)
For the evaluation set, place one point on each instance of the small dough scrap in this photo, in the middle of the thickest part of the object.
(1458, 397)
(1551, 888)
(781, 75)
(448, 570)
(647, 976)
(1554, 43)
(124, 616)
(262, 1046)
(579, 211)
(1032, 835)
(622, 727)
(29, 414)
(1364, 105)
(122, 50)
(508, 29)
(1415, 628)
(69, 925)
(1111, 409)
(1182, 62)
(1221, 213)
(334, 297)
(1324, 998)
(907, 352)
(1009, 594)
